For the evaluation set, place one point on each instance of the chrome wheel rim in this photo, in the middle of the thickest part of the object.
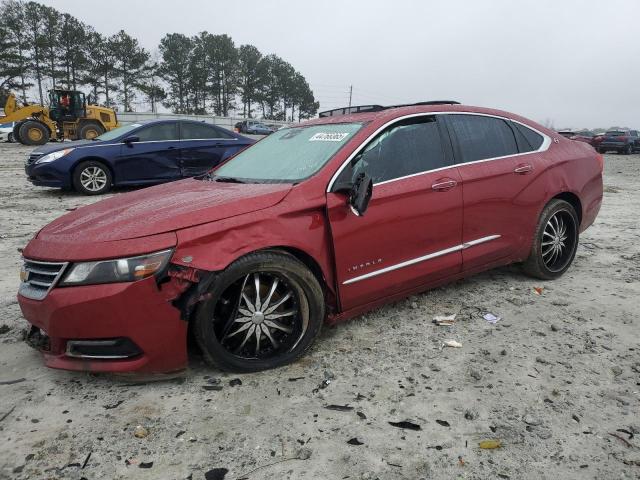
(558, 241)
(93, 178)
(259, 317)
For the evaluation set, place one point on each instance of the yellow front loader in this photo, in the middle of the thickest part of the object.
(67, 117)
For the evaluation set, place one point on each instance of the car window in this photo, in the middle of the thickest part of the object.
(198, 131)
(158, 132)
(528, 140)
(481, 137)
(408, 147)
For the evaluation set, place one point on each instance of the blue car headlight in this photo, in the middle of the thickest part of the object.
(54, 155)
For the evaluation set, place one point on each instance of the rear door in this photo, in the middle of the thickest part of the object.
(498, 165)
(205, 146)
(411, 232)
(155, 157)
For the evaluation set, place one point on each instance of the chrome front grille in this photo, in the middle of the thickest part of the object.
(33, 157)
(39, 277)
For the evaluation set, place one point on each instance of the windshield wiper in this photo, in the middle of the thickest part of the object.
(227, 179)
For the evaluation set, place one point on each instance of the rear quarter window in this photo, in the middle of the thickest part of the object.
(528, 140)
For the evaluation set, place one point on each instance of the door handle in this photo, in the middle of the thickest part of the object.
(443, 185)
(523, 169)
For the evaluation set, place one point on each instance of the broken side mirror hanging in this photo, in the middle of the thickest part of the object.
(360, 194)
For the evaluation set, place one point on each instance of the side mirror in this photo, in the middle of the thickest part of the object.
(360, 194)
(130, 140)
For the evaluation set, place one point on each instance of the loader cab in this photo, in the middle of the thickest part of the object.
(67, 105)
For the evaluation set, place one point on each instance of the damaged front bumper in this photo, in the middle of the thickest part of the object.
(118, 327)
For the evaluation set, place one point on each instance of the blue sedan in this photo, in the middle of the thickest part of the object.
(142, 153)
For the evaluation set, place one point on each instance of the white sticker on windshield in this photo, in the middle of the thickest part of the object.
(328, 137)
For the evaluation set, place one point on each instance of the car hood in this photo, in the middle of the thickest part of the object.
(54, 147)
(163, 208)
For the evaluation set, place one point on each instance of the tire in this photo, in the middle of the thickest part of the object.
(628, 150)
(10, 138)
(543, 263)
(90, 130)
(33, 132)
(92, 178)
(602, 151)
(16, 131)
(230, 348)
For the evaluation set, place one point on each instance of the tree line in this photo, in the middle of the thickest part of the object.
(41, 48)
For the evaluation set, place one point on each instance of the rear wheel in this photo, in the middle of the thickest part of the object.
(10, 138)
(602, 151)
(33, 132)
(89, 131)
(263, 311)
(92, 178)
(555, 242)
(628, 150)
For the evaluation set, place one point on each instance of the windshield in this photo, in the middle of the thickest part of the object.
(116, 132)
(289, 155)
(615, 133)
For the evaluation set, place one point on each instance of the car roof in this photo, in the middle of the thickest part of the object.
(394, 112)
(166, 120)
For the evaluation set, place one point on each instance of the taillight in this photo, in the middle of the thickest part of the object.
(600, 158)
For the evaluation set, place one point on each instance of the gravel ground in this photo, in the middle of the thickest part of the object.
(556, 380)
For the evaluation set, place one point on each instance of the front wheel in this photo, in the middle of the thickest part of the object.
(92, 178)
(33, 132)
(263, 311)
(628, 150)
(555, 242)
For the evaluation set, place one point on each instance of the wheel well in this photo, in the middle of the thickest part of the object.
(305, 258)
(574, 201)
(93, 159)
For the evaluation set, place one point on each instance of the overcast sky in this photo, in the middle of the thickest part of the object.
(575, 63)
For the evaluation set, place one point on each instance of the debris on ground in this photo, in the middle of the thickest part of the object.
(444, 320)
(538, 290)
(12, 382)
(452, 343)
(216, 474)
(406, 424)
(491, 318)
(140, 432)
(355, 441)
(490, 444)
(339, 408)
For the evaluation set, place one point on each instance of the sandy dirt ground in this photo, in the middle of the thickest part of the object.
(556, 380)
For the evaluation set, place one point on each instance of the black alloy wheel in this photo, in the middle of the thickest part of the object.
(263, 311)
(555, 242)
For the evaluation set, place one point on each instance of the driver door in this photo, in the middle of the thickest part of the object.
(154, 157)
(411, 233)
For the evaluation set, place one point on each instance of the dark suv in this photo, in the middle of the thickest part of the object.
(622, 141)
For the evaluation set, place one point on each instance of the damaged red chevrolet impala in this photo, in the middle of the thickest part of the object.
(316, 223)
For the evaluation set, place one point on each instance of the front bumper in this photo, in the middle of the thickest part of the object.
(140, 312)
(47, 175)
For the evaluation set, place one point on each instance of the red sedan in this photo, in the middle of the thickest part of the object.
(316, 223)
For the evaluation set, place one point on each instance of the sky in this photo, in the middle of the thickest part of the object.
(568, 63)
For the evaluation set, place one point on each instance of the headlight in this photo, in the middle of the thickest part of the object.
(117, 270)
(55, 155)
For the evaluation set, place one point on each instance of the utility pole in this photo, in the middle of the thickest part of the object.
(350, 93)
